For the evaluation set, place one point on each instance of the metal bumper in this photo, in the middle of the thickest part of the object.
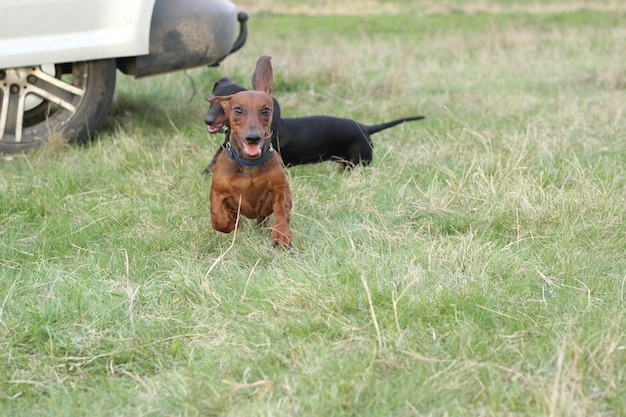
(187, 34)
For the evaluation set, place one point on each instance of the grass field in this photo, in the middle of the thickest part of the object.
(476, 268)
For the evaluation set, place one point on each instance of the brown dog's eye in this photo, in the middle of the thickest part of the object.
(238, 110)
(266, 111)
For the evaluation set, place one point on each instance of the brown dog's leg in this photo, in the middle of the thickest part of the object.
(222, 219)
(281, 233)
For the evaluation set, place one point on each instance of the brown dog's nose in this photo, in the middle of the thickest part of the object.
(253, 136)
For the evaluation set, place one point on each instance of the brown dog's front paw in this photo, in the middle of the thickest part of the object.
(281, 245)
(225, 226)
(281, 240)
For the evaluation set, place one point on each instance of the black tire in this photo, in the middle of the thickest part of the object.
(68, 100)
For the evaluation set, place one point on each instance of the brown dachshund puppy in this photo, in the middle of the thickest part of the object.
(249, 176)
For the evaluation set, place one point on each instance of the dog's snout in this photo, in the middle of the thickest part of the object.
(253, 136)
(209, 119)
(214, 114)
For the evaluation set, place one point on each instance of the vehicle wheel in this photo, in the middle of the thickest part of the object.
(69, 100)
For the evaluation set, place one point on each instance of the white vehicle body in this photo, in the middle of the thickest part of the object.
(49, 31)
(59, 58)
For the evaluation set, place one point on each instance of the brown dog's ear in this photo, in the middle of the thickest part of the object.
(263, 76)
(223, 101)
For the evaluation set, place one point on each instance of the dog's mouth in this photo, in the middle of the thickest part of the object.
(252, 150)
(216, 128)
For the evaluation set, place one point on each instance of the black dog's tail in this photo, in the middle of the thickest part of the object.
(382, 126)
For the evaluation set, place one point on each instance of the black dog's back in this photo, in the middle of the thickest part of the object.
(311, 139)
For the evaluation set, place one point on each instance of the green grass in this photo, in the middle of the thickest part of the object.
(475, 268)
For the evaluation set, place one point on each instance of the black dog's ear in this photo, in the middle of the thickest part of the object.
(208, 97)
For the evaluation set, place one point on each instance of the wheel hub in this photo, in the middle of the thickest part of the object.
(69, 100)
(17, 81)
(15, 76)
